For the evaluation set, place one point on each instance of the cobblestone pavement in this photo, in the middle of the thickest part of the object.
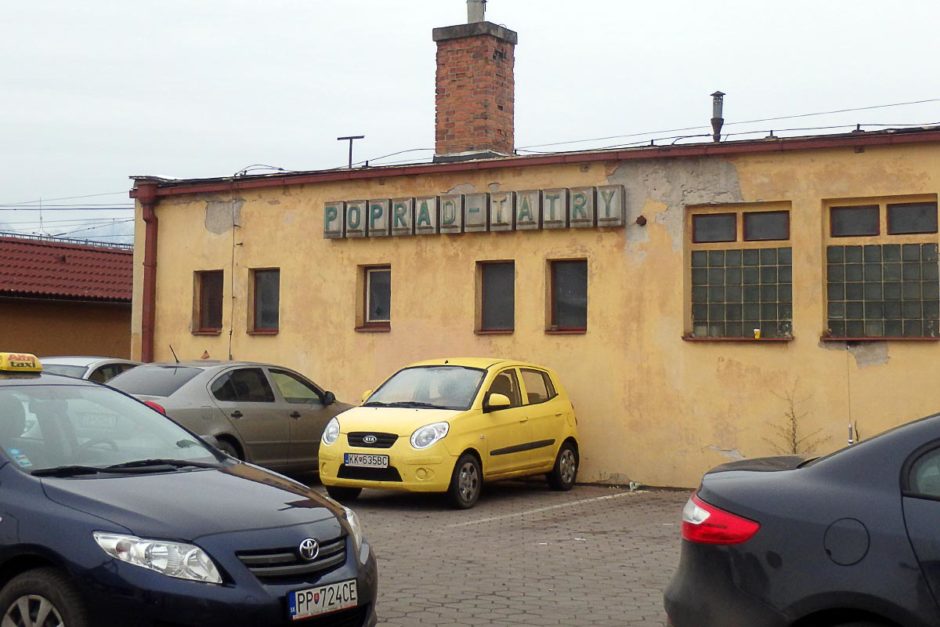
(524, 556)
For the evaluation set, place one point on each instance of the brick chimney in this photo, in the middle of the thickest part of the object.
(475, 91)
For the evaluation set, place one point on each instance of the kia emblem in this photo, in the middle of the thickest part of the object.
(369, 439)
(309, 549)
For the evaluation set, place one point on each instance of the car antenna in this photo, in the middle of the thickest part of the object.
(174, 353)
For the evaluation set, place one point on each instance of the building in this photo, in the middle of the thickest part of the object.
(702, 302)
(65, 297)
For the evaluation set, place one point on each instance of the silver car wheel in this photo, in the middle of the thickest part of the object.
(468, 482)
(567, 465)
(32, 610)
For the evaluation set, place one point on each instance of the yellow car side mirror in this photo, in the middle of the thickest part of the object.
(496, 401)
(365, 395)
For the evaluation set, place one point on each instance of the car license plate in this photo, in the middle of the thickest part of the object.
(322, 599)
(365, 461)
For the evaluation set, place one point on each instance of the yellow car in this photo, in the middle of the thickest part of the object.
(448, 425)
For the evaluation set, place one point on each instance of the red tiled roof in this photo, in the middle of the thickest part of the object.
(33, 267)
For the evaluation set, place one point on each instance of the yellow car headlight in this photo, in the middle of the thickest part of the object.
(429, 434)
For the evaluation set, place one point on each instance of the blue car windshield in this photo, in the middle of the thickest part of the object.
(45, 427)
(433, 387)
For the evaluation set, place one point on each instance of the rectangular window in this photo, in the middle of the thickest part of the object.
(378, 301)
(266, 297)
(568, 296)
(912, 217)
(497, 297)
(883, 286)
(742, 283)
(854, 221)
(714, 227)
(207, 317)
(764, 226)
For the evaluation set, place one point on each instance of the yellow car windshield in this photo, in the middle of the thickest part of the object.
(431, 387)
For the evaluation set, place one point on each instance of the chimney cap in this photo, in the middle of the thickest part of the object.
(474, 29)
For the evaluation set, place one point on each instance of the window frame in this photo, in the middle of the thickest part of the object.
(884, 238)
(737, 244)
(198, 302)
(480, 328)
(363, 321)
(552, 326)
(550, 391)
(254, 317)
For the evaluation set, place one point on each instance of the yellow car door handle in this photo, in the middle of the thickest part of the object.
(526, 419)
(559, 414)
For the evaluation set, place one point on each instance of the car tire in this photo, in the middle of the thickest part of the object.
(565, 471)
(42, 589)
(466, 483)
(228, 448)
(343, 494)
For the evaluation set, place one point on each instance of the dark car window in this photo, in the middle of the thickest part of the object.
(924, 479)
(506, 383)
(245, 385)
(538, 386)
(154, 380)
(293, 388)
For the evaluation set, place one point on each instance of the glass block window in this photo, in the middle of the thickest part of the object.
(742, 292)
(741, 272)
(883, 290)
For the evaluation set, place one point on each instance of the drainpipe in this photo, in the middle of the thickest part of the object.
(146, 194)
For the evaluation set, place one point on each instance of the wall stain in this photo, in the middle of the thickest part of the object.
(865, 353)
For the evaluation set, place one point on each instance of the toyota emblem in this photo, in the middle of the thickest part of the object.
(309, 549)
(369, 439)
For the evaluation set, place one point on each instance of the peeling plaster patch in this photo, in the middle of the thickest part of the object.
(865, 353)
(729, 453)
(869, 353)
(493, 187)
(463, 188)
(220, 214)
(274, 201)
(614, 478)
(676, 184)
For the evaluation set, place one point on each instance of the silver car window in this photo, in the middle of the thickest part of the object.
(244, 385)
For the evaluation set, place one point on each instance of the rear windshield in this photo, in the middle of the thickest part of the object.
(69, 371)
(153, 380)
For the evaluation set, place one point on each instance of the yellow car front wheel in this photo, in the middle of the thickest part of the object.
(466, 483)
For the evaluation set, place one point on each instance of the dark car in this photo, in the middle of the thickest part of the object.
(112, 514)
(268, 415)
(848, 539)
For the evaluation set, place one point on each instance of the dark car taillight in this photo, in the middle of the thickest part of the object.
(706, 524)
(156, 406)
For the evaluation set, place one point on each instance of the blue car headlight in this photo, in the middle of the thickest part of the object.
(173, 559)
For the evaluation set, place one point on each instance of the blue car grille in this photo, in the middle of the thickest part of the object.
(285, 564)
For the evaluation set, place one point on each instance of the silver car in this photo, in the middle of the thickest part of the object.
(97, 369)
(268, 415)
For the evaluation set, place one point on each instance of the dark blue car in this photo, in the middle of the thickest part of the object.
(847, 540)
(111, 514)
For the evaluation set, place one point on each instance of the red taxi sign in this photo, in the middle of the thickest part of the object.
(19, 362)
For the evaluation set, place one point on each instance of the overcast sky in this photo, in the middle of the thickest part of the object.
(98, 90)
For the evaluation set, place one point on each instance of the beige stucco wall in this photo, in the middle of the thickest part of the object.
(65, 328)
(652, 407)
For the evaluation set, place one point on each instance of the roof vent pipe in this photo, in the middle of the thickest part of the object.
(717, 115)
(476, 9)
